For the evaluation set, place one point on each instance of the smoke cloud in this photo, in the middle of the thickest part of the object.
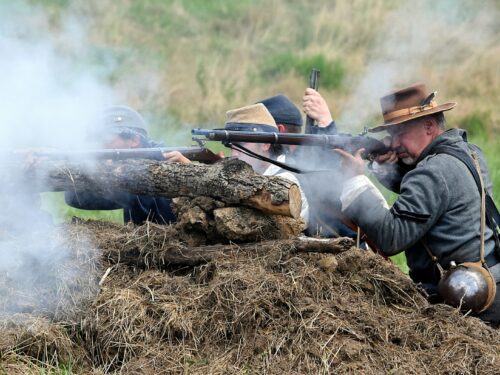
(418, 38)
(50, 96)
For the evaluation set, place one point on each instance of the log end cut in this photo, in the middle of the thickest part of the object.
(242, 224)
(266, 202)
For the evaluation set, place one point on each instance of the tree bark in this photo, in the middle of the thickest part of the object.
(231, 181)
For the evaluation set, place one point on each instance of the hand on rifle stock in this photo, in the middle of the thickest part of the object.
(352, 164)
(390, 157)
(176, 157)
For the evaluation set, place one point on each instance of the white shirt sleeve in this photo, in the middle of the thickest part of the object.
(357, 185)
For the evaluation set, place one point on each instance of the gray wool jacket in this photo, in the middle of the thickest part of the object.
(439, 203)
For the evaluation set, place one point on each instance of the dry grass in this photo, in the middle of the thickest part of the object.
(276, 312)
(195, 60)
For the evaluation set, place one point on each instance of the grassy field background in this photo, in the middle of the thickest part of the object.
(183, 64)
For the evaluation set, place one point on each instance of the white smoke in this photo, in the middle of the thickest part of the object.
(48, 99)
(419, 37)
(50, 96)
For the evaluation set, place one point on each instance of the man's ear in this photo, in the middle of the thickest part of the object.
(430, 126)
(281, 128)
(265, 147)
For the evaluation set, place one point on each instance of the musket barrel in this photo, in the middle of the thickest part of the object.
(263, 137)
(153, 153)
(350, 143)
(313, 83)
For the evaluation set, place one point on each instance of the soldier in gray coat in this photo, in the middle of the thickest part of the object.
(439, 205)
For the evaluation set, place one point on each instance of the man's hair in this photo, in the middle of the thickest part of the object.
(441, 121)
(292, 128)
(276, 150)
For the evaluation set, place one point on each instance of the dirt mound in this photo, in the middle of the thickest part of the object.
(250, 311)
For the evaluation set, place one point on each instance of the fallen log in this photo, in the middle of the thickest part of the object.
(181, 255)
(231, 181)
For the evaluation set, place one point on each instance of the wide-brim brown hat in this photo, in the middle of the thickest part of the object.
(408, 104)
(253, 117)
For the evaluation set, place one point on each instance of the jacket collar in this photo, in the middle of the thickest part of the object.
(449, 138)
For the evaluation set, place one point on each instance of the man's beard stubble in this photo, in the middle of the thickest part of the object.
(408, 160)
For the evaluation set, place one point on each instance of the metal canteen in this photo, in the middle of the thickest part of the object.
(465, 286)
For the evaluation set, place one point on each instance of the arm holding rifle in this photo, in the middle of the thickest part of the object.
(318, 117)
(315, 107)
(183, 155)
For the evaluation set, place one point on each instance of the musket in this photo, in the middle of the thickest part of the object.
(314, 84)
(200, 154)
(373, 147)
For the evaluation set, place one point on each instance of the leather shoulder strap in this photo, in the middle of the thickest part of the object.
(492, 214)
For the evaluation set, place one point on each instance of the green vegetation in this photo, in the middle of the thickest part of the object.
(332, 72)
(54, 204)
(477, 124)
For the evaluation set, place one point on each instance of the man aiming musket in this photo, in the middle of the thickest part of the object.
(123, 128)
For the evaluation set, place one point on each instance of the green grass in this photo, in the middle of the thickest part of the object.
(52, 3)
(490, 150)
(477, 125)
(400, 261)
(481, 133)
(54, 204)
(332, 71)
(213, 9)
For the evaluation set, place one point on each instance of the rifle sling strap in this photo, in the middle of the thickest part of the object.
(246, 151)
